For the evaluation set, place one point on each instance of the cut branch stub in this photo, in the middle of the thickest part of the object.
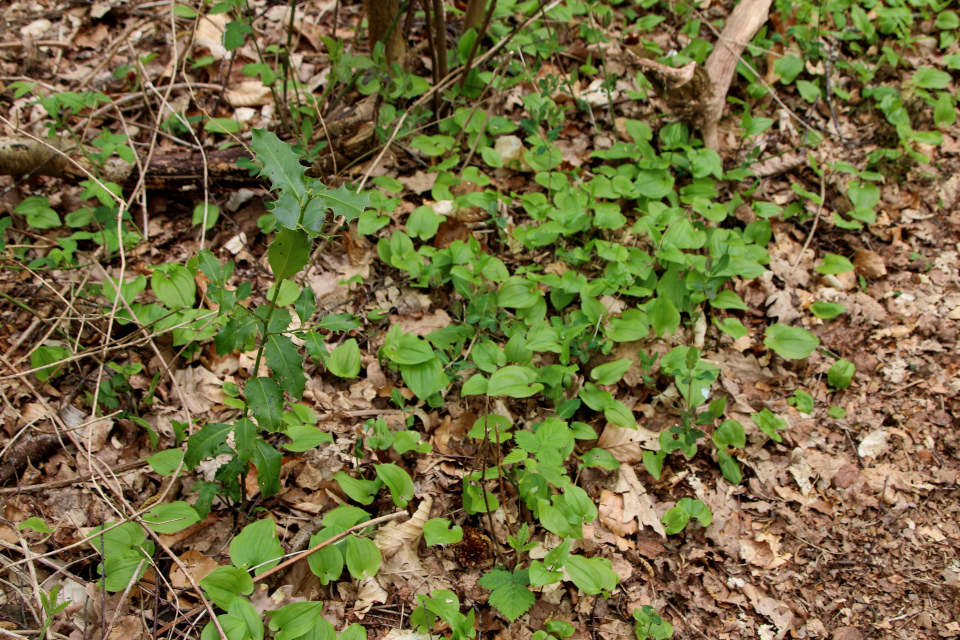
(697, 94)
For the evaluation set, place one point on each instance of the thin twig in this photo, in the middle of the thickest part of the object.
(813, 229)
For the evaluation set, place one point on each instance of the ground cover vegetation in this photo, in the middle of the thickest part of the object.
(402, 320)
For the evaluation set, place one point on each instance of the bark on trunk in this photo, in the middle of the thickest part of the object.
(383, 18)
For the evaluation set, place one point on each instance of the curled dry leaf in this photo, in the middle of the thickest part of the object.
(424, 324)
(209, 34)
(637, 503)
(763, 551)
(869, 264)
(32, 411)
(198, 566)
(628, 445)
(251, 93)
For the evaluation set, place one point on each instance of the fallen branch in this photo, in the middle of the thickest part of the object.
(34, 450)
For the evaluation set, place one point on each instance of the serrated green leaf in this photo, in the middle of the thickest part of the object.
(244, 435)
(203, 443)
(265, 399)
(339, 322)
(803, 401)
(288, 253)
(509, 592)
(287, 364)
(344, 202)
(306, 304)
(280, 163)
(234, 335)
(267, 461)
(770, 423)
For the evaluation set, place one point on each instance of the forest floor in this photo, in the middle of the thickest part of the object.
(847, 529)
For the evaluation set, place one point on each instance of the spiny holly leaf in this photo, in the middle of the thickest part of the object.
(234, 334)
(316, 347)
(279, 321)
(288, 252)
(203, 443)
(508, 592)
(267, 461)
(217, 287)
(344, 202)
(280, 163)
(286, 209)
(266, 401)
(244, 435)
(339, 322)
(306, 304)
(287, 364)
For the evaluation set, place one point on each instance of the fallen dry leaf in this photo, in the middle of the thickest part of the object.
(637, 504)
(251, 93)
(424, 324)
(869, 264)
(198, 565)
(763, 551)
(628, 445)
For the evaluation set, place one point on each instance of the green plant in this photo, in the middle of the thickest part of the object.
(841, 374)
(676, 519)
(51, 607)
(648, 624)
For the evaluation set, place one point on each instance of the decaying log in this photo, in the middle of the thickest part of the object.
(36, 450)
(350, 137)
(22, 156)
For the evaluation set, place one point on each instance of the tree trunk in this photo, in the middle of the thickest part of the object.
(473, 14)
(383, 17)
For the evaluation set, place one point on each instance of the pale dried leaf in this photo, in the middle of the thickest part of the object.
(628, 445)
(250, 93)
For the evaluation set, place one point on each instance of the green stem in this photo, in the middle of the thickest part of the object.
(266, 325)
